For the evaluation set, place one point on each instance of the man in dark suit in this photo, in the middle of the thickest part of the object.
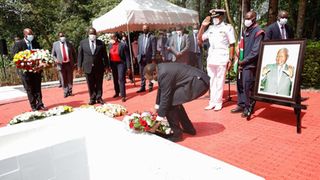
(179, 46)
(279, 29)
(147, 45)
(31, 80)
(65, 58)
(93, 60)
(178, 84)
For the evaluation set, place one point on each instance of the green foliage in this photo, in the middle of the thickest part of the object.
(311, 69)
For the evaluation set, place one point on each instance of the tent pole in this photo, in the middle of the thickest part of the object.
(131, 58)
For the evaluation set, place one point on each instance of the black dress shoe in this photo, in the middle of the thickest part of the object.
(70, 94)
(141, 90)
(34, 109)
(190, 131)
(150, 89)
(123, 99)
(175, 138)
(100, 101)
(66, 95)
(238, 109)
(245, 114)
(91, 102)
(42, 108)
(116, 95)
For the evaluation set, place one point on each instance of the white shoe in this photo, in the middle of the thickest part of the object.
(218, 107)
(209, 107)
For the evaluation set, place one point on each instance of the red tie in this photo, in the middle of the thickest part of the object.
(64, 53)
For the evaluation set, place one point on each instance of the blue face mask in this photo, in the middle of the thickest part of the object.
(30, 37)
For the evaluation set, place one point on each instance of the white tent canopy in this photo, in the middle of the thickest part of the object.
(132, 14)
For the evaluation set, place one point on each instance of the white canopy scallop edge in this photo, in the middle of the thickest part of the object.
(157, 14)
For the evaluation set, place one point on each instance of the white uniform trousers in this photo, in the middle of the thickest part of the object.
(217, 74)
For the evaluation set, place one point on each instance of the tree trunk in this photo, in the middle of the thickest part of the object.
(230, 20)
(272, 11)
(301, 17)
(247, 6)
(207, 7)
(197, 7)
(184, 3)
(218, 4)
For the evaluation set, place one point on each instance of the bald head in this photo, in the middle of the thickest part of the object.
(282, 56)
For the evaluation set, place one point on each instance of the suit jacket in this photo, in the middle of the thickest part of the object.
(151, 48)
(87, 60)
(178, 84)
(271, 84)
(22, 45)
(184, 48)
(56, 53)
(273, 32)
(123, 53)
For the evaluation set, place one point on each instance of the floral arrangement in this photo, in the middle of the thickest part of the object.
(146, 122)
(33, 60)
(36, 115)
(111, 110)
(106, 38)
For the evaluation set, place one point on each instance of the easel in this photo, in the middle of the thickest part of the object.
(297, 106)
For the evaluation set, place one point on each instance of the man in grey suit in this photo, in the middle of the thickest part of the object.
(65, 58)
(178, 84)
(147, 47)
(195, 49)
(93, 60)
(276, 78)
(179, 46)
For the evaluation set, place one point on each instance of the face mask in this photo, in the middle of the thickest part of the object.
(248, 23)
(92, 37)
(63, 39)
(168, 34)
(179, 33)
(195, 30)
(154, 81)
(173, 32)
(30, 37)
(215, 21)
(283, 21)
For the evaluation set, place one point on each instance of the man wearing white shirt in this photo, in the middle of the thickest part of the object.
(220, 54)
(65, 58)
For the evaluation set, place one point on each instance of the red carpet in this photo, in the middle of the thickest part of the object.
(267, 145)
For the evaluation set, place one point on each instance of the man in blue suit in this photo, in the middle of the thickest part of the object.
(279, 29)
(147, 45)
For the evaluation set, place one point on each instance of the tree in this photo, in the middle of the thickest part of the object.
(272, 11)
(301, 18)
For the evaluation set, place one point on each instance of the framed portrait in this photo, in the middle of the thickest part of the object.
(279, 70)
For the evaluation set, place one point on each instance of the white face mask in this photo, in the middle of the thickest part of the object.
(195, 30)
(215, 21)
(248, 23)
(283, 21)
(179, 33)
(30, 37)
(154, 81)
(63, 39)
(168, 34)
(92, 37)
(173, 32)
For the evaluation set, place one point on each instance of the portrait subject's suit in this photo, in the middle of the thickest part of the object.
(278, 85)
(31, 81)
(178, 84)
(65, 67)
(93, 65)
(147, 48)
(182, 47)
(273, 32)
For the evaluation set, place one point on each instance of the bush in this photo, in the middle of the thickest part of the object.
(311, 69)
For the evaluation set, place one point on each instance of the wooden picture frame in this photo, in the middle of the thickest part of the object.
(279, 71)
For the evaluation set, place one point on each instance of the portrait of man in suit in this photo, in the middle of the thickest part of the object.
(277, 77)
(64, 55)
(93, 60)
(178, 84)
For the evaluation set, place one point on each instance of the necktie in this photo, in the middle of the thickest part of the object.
(92, 47)
(64, 53)
(179, 43)
(29, 45)
(145, 43)
(279, 74)
(283, 35)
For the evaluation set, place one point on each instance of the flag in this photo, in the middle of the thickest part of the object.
(240, 54)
